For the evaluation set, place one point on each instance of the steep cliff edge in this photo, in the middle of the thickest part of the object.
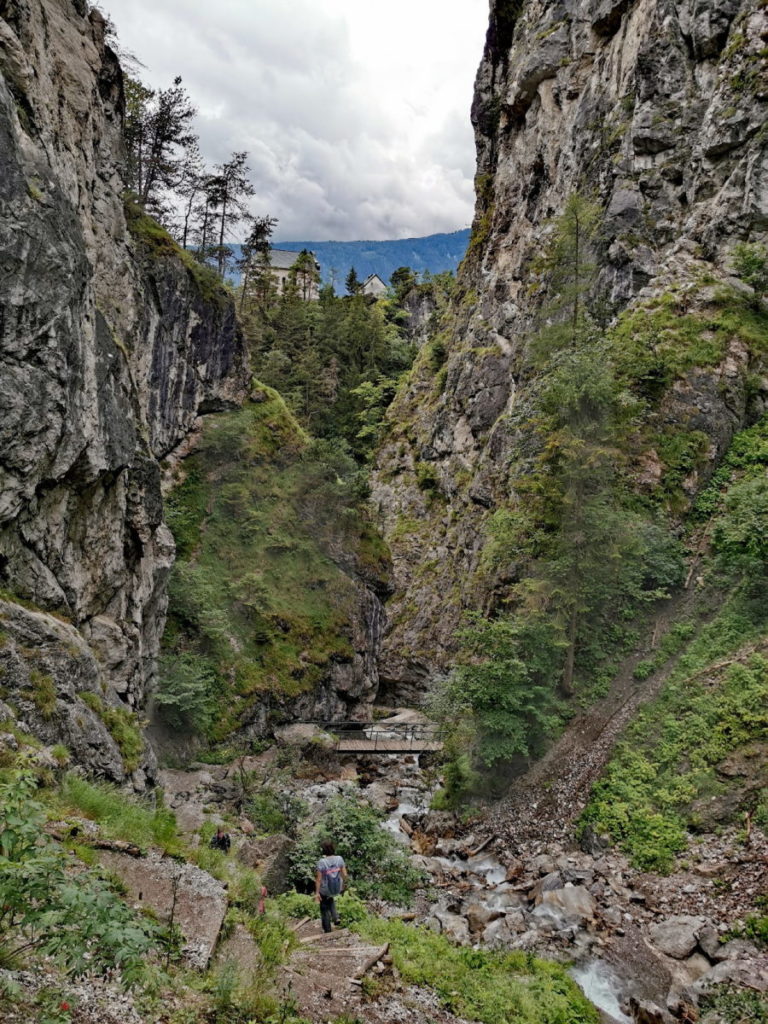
(656, 112)
(111, 346)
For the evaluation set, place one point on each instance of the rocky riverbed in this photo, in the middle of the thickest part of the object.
(644, 947)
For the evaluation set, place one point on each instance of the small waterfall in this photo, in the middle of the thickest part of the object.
(601, 986)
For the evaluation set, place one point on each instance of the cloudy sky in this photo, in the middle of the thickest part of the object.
(355, 114)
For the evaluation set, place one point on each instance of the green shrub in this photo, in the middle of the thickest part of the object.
(73, 918)
(296, 904)
(184, 691)
(378, 866)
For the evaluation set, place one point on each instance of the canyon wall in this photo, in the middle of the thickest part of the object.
(654, 110)
(112, 344)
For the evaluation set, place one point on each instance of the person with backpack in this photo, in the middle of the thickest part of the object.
(221, 841)
(330, 879)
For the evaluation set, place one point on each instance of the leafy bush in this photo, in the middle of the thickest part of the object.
(70, 916)
(378, 866)
(296, 904)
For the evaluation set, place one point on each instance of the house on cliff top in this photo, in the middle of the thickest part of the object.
(284, 261)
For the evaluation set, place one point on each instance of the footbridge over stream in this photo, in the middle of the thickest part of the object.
(405, 733)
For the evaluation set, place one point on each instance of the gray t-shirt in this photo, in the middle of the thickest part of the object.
(329, 867)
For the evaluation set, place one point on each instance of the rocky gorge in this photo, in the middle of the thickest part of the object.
(140, 459)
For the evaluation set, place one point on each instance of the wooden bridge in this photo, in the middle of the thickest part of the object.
(387, 736)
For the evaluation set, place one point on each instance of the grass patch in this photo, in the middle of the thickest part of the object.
(494, 988)
(119, 816)
(657, 342)
(668, 756)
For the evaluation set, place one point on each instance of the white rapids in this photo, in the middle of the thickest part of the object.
(601, 986)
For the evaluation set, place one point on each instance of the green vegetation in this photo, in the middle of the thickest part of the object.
(123, 727)
(585, 556)
(378, 865)
(494, 988)
(336, 362)
(737, 1005)
(160, 245)
(76, 921)
(258, 605)
(119, 816)
(657, 342)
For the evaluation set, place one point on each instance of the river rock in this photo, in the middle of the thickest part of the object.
(748, 974)
(551, 881)
(736, 949)
(569, 907)
(479, 915)
(677, 936)
(497, 934)
(453, 925)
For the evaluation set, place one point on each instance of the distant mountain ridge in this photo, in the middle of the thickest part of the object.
(433, 253)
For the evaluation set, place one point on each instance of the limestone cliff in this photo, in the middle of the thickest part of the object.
(657, 111)
(111, 346)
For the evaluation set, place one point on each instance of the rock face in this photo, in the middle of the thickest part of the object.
(654, 109)
(109, 353)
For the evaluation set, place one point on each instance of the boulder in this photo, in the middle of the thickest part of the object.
(271, 858)
(498, 934)
(552, 880)
(677, 936)
(560, 909)
(198, 901)
(480, 915)
(453, 925)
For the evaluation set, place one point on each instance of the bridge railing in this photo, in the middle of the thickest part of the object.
(384, 735)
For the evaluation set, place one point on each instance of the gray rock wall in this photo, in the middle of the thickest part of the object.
(108, 355)
(655, 109)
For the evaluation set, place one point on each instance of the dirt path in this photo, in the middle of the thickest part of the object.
(543, 803)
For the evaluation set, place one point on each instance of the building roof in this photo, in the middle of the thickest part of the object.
(283, 259)
(373, 277)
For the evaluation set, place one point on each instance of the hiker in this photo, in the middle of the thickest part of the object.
(221, 840)
(330, 879)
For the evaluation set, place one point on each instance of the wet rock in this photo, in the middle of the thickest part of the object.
(569, 907)
(453, 925)
(497, 934)
(553, 880)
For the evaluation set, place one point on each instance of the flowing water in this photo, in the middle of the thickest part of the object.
(601, 986)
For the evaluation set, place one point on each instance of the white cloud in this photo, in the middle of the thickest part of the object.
(355, 115)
